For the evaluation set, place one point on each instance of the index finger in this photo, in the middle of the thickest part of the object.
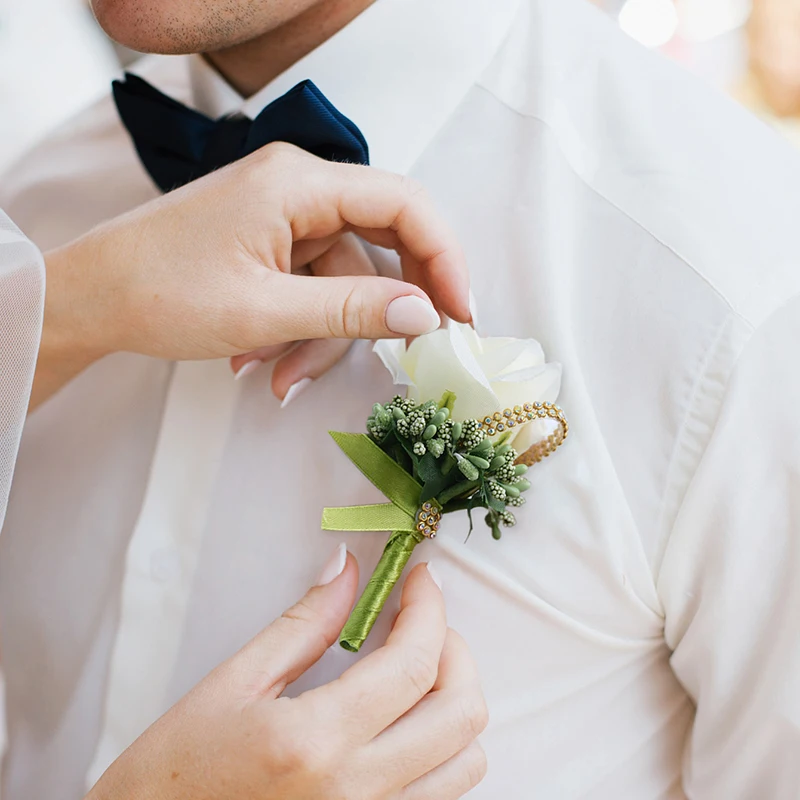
(379, 689)
(386, 208)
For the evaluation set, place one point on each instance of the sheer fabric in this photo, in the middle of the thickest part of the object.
(21, 308)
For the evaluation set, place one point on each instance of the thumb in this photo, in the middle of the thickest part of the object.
(346, 307)
(295, 641)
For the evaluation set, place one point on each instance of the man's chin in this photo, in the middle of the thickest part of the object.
(178, 27)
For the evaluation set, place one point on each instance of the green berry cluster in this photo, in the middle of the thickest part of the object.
(472, 434)
(501, 481)
(427, 427)
(457, 458)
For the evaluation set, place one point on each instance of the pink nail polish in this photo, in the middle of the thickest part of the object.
(411, 316)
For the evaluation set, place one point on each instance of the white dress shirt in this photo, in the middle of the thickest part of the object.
(644, 230)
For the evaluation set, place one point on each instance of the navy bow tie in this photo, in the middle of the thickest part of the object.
(177, 144)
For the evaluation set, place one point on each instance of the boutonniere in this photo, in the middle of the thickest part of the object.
(476, 415)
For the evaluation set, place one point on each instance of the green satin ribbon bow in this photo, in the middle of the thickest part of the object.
(398, 516)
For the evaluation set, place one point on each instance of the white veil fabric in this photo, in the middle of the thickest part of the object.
(22, 282)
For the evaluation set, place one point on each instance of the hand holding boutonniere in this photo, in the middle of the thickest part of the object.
(476, 415)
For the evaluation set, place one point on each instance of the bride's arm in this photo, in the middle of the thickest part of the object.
(22, 290)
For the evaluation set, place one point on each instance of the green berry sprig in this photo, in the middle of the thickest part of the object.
(455, 461)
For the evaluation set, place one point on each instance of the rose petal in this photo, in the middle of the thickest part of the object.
(501, 357)
(446, 363)
(487, 375)
(392, 352)
(540, 384)
(532, 355)
(532, 432)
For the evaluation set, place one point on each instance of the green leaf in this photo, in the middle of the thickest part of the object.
(428, 468)
(495, 504)
(406, 456)
(428, 492)
(448, 463)
(407, 445)
(438, 484)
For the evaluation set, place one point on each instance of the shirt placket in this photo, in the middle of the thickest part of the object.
(163, 552)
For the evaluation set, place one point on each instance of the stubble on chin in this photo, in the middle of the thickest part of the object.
(179, 27)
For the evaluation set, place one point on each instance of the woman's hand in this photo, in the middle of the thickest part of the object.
(401, 724)
(254, 257)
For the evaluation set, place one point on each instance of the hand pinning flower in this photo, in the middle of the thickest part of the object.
(431, 457)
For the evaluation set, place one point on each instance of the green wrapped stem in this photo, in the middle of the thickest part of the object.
(395, 556)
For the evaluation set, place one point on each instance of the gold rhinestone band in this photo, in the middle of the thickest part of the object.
(510, 418)
(429, 517)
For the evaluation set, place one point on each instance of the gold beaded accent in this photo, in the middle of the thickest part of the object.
(429, 517)
(509, 418)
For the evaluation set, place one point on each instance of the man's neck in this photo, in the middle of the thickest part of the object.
(252, 65)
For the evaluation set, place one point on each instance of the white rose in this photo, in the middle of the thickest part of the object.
(486, 375)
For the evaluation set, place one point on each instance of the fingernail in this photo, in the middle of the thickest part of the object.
(473, 310)
(433, 573)
(295, 390)
(247, 369)
(411, 316)
(335, 566)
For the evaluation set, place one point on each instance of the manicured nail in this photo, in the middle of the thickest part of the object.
(433, 573)
(335, 566)
(411, 316)
(249, 368)
(473, 310)
(295, 390)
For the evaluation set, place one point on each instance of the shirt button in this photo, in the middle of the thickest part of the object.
(165, 565)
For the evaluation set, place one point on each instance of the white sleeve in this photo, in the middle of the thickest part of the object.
(22, 282)
(730, 580)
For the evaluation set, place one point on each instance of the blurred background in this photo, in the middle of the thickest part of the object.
(54, 59)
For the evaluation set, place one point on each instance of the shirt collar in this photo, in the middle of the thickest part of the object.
(398, 70)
